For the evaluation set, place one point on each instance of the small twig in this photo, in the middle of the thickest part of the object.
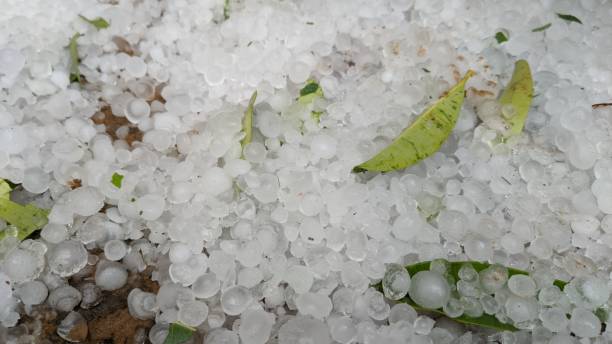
(598, 105)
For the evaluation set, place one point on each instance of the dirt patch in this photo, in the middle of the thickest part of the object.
(111, 122)
(109, 322)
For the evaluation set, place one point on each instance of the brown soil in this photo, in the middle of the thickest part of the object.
(112, 123)
(107, 323)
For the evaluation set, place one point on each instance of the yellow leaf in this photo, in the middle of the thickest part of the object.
(519, 94)
(247, 122)
(423, 137)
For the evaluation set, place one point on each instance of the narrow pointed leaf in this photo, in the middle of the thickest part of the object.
(486, 320)
(75, 74)
(569, 18)
(542, 28)
(519, 94)
(178, 333)
(99, 22)
(247, 122)
(226, 9)
(423, 137)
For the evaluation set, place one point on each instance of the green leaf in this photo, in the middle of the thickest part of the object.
(5, 189)
(501, 37)
(569, 18)
(226, 9)
(310, 92)
(519, 94)
(486, 320)
(423, 137)
(99, 22)
(247, 122)
(117, 179)
(542, 28)
(27, 218)
(75, 74)
(179, 333)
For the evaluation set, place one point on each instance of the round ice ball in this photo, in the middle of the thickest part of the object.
(136, 110)
(193, 313)
(429, 289)
(255, 327)
(206, 286)
(222, 336)
(115, 249)
(235, 300)
(584, 323)
(141, 304)
(86, 201)
(215, 181)
(255, 152)
(35, 180)
(522, 285)
(65, 298)
(32, 292)
(396, 282)
(323, 146)
(110, 275)
(23, 265)
(67, 258)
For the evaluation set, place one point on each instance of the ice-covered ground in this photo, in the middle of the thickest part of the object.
(282, 246)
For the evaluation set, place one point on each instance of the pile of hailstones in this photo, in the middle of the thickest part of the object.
(526, 302)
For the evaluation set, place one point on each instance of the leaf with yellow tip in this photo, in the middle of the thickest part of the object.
(519, 94)
(247, 122)
(423, 137)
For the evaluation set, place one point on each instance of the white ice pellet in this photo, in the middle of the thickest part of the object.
(67, 258)
(215, 181)
(584, 323)
(115, 250)
(110, 275)
(323, 146)
(314, 304)
(236, 300)
(86, 200)
(32, 292)
(429, 289)
(255, 326)
(299, 278)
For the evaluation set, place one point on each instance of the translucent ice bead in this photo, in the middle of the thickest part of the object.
(141, 305)
(215, 181)
(471, 306)
(222, 336)
(32, 293)
(396, 282)
(377, 307)
(255, 152)
(205, 286)
(110, 275)
(453, 308)
(554, 319)
(549, 295)
(522, 285)
(423, 325)
(429, 289)
(489, 304)
(402, 312)
(520, 309)
(65, 298)
(136, 110)
(255, 327)
(468, 273)
(584, 323)
(35, 180)
(235, 300)
(136, 67)
(115, 250)
(22, 264)
(67, 258)
(493, 278)
(314, 304)
(323, 146)
(299, 278)
(192, 313)
(304, 330)
(342, 329)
